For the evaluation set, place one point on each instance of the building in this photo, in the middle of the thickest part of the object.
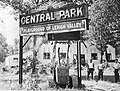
(13, 60)
(45, 53)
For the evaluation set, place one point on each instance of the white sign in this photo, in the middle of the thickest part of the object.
(54, 28)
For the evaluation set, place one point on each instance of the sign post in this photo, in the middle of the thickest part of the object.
(20, 59)
(79, 63)
(34, 54)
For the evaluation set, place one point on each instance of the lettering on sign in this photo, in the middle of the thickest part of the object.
(58, 27)
(63, 14)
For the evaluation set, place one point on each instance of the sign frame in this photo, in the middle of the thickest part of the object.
(66, 13)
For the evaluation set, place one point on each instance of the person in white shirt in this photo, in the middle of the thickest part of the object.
(90, 69)
(106, 64)
(116, 67)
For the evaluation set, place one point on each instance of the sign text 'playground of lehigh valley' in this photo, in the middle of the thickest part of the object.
(55, 28)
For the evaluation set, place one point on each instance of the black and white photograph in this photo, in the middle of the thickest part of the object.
(59, 45)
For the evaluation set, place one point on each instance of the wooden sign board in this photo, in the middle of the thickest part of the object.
(75, 35)
(66, 13)
(68, 18)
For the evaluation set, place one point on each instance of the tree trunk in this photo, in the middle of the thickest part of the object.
(54, 54)
(68, 53)
(101, 56)
(102, 53)
(106, 55)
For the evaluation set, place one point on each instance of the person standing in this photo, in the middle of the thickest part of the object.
(33, 64)
(74, 60)
(116, 67)
(100, 71)
(106, 65)
(90, 69)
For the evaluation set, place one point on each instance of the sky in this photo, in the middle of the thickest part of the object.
(9, 27)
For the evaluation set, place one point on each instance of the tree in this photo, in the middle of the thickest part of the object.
(3, 48)
(28, 45)
(105, 21)
(16, 45)
(10, 50)
(25, 6)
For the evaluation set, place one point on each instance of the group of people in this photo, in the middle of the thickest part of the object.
(101, 67)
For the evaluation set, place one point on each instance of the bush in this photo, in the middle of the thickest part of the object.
(31, 84)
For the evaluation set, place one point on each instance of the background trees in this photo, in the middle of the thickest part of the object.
(105, 22)
(104, 15)
(3, 48)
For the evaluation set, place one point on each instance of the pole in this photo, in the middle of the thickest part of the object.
(34, 54)
(20, 59)
(79, 63)
(59, 56)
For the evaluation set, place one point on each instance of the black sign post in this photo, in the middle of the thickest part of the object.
(79, 63)
(20, 59)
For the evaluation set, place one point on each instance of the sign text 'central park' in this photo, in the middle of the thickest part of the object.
(74, 12)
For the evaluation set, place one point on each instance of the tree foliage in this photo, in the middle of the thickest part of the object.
(16, 45)
(105, 21)
(26, 6)
(3, 48)
(28, 45)
(10, 50)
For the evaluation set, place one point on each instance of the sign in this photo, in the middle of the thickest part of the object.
(76, 35)
(63, 14)
(55, 28)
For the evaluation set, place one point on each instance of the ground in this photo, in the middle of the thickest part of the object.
(10, 82)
